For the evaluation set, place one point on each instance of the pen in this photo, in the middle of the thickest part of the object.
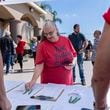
(42, 97)
(76, 100)
(29, 92)
(70, 100)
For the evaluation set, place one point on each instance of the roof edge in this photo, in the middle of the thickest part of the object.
(37, 7)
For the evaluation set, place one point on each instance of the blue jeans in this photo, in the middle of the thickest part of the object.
(7, 61)
(80, 66)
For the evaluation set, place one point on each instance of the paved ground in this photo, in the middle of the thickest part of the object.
(29, 68)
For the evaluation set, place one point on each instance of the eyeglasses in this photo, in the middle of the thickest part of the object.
(49, 33)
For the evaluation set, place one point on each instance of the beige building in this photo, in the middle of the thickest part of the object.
(25, 19)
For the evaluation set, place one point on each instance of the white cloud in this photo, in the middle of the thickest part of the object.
(74, 15)
(69, 15)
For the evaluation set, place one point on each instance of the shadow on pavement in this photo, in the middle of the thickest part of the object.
(17, 71)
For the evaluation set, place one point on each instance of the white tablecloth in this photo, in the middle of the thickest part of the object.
(17, 97)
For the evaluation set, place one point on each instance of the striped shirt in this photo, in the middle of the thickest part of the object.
(95, 45)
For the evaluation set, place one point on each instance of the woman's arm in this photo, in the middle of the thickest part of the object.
(37, 72)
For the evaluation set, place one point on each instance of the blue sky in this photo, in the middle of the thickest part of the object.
(87, 13)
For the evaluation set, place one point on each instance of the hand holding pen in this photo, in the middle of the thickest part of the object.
(27, 91)
(29, 85)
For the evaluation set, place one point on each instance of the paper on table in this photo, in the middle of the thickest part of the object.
(86, 99)
(10, 85)
(18, 98)
(21, 89)
(50, 92)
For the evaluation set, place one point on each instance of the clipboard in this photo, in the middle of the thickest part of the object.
(47, 98)
(51, 92)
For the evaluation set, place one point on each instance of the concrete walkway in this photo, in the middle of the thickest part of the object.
(29, 69)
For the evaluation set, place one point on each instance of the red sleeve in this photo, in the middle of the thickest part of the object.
(20, 47)
(107, 16)
(39, 54)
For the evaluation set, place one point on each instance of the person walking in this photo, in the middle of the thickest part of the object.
(55, 58)
(20, 51)
(7, 49)
(33, 46)
(79, 42)
(4, 101)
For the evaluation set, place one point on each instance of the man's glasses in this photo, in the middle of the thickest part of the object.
(49, 33)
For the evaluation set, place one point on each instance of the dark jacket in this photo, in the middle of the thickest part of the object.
(6, 45)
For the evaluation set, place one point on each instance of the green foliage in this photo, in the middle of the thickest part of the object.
(47, 7)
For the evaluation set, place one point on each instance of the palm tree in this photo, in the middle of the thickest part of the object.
(55, 18)
(47, 7)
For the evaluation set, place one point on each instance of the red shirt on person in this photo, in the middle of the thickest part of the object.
(20, 47)
(55, 55)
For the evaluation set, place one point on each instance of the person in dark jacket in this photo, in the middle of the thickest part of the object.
(7, 49)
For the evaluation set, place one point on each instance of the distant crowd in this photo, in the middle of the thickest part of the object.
(13, 52)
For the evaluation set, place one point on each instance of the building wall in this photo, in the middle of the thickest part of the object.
(17, 18)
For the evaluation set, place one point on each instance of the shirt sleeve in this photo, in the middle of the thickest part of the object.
(107, 16)
(39, 54)
(83, 37)
(72, 49)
